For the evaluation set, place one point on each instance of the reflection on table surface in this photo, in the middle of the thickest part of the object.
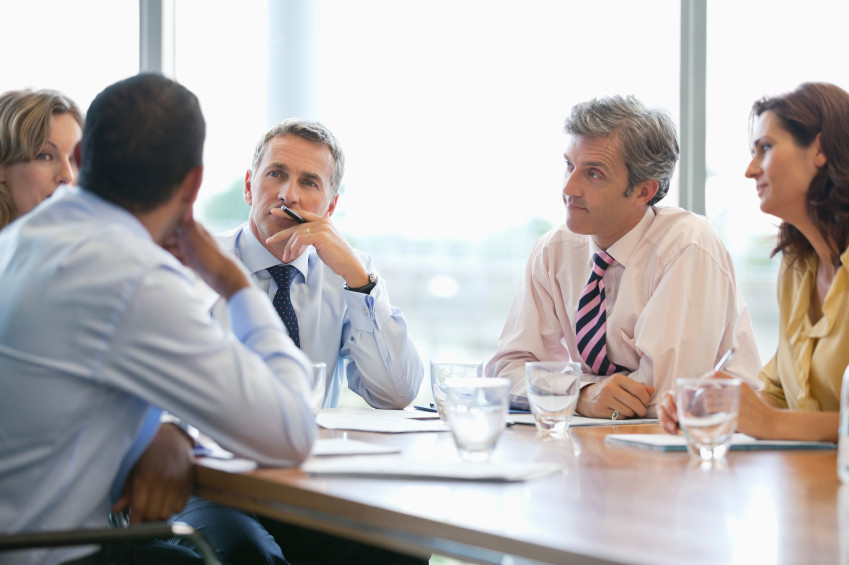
(608, 504)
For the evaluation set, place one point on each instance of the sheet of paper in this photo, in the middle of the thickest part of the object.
(667, 442)
(400, 468)
(342, 446)
(577, 421)
(234, 465)
(372, 420)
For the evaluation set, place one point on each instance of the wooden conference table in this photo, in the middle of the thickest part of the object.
(609, 504)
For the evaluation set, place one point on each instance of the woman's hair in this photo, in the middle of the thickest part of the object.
(25, 122)
(816, 108)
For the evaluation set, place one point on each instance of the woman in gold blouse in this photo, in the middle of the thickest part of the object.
(800, 165)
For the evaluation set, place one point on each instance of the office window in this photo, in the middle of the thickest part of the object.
(755, 50)
(451, 116)
(67, 46)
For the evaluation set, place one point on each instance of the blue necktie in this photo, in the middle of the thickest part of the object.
(283, 276)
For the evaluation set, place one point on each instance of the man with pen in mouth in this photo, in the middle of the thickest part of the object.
(639, 294)
(336, 308)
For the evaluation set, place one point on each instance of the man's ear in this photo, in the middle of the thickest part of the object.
(332, 207)
(247, 194)
(645, 191)
(191, 185)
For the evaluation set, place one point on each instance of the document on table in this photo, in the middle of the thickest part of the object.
(373, 420)
(579, 421)
(400, 468)
(218, 458)
(667, 442)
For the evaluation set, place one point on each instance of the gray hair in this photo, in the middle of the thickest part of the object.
(311, 131)
(646, 137)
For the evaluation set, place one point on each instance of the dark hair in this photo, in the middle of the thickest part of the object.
(646, 137)
(142, 136)
(817, 108)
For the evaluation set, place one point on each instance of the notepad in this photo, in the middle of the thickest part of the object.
(383, 467)
(667, 442)
(373, 420)
(580, 421)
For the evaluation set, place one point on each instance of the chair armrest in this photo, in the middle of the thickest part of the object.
(135, 533)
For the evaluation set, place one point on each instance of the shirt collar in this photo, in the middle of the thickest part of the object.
(257, 258)
(622, 249)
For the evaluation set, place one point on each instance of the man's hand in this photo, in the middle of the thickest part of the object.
(198, 250)
(616, 392)
(332, 248)
(161, 480)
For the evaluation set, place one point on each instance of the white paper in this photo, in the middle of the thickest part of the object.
(668, 442)
(234, 465)
(580, 421)
(401, 468)
(342, 446)
(372, 420)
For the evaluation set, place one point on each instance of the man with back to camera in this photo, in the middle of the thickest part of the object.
(639, 294)
(339, 313)
(102, 328)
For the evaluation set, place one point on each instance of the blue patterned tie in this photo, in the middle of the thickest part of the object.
(283, 276)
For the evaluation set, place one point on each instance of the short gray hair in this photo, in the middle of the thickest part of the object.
(311, 131)
(646, 137)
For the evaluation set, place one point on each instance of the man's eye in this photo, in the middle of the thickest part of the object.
(274, 174)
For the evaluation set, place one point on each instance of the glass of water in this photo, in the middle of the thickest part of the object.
(553, 388)
(318, 384)
(707, 414)
(441, 372)
(476, 410)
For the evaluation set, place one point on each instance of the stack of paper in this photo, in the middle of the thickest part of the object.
(667, 442)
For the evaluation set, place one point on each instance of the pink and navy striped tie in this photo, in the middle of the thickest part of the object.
(592, 318)
(283, 276)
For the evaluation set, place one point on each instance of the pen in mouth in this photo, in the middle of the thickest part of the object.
(293, 215)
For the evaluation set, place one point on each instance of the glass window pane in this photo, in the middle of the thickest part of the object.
(62, 45)
(450, 114)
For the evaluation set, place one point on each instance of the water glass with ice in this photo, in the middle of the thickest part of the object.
(476, 410)
(707, 414)
(552, 388)
(441, 372)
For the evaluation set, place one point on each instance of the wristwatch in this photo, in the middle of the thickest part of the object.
(372, 282)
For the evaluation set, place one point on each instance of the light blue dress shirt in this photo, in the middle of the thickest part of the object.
(99, 329)
(361, 337)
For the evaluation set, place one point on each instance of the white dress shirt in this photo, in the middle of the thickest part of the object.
(673, 307)
(100, 328)
(361, 337)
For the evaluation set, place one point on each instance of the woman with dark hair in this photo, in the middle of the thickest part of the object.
(38, 132)
(800, 165)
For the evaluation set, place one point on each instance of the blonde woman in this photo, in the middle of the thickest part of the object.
(38, 132)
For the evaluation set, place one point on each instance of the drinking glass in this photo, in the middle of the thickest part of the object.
(441, 372)
(707, 414)
(476, 410)
(552, 388)
(317, 386)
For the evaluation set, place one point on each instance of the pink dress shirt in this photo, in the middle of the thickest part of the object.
(673, 306)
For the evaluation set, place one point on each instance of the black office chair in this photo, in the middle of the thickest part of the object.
(138, 533)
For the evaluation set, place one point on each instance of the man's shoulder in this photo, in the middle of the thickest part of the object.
(560, 239)
(676, 226)
(227, 239)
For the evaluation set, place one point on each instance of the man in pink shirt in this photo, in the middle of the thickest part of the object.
(639, 294)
